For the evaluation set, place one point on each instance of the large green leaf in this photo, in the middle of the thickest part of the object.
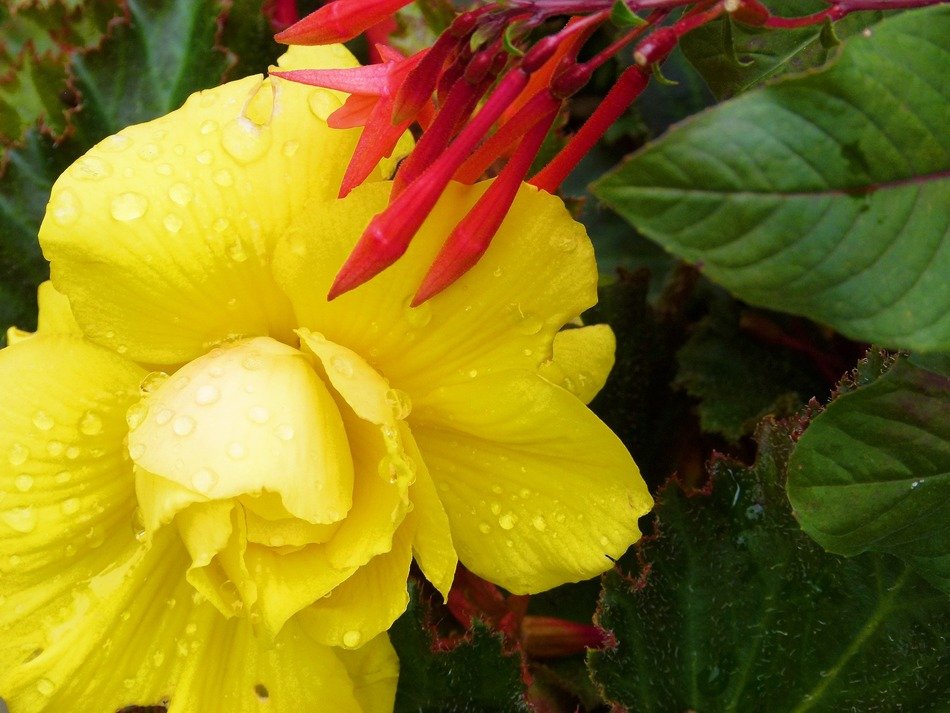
(149, 65)
(823, 195)
(473, 675)
(733, 57)
(730, 607)
(873, 471)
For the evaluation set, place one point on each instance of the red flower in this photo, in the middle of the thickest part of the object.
(339, 21)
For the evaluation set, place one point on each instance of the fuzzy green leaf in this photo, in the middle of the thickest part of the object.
(732, 608)
(823, 195)
(872, 472)
(475, 675)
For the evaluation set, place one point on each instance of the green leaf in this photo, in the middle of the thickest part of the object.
(249, 39)
(737, 378)
(474, 675)
(873, 471)
(730, 607)
(24, 190)
(733, 57)
(824, 195)
(149, 66)
(622, 16)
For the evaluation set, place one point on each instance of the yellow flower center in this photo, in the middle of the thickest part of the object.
(246, 451)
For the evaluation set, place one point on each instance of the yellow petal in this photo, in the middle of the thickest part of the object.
(247, 418)
(67, 503)
(432, 545)
(538, 274)
(138, 636)
(55, 316)
(538, 491)
(583, 358)
(367, 603)
(161, 236)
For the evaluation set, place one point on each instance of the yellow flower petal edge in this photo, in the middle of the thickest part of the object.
(216, 480)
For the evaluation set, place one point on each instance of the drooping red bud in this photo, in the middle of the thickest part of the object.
(655, 47)
(417, 89)
(749, 12)
(338, 21)
(472, 236)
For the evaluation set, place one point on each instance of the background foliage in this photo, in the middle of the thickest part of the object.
(770, 225)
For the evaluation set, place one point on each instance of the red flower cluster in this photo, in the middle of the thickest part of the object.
(487, 90)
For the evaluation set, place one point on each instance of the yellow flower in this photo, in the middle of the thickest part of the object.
(213, 481)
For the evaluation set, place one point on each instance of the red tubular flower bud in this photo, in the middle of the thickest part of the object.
(388, 234)
(338, 21)
(655, 47)
(417, 89)
(452, 73)
(571, 79)
(507, 134)
(472, 236)
(627, 88)
(480, 65)
(551, 637)
(540, 52)
(458, 107)
(749, 12)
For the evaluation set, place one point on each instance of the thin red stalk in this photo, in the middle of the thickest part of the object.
(458, 106)
(789, 23)
(694, 19)
(621, 95)
(472, 236)
(610, 50)
(507, 134)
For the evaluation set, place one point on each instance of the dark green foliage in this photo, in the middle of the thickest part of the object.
(730, 607)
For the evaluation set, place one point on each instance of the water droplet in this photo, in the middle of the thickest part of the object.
(208, 127)
(224, 178)
(90, 424)
(63, 477)
(45, 687)
(91, 168)
(164, 169)
(351, 639)
(138, 525)
(183, 425)
(70, 506)
(220, 225)
(484, 528)
(73, 452)
(252, 362)
(205, 157)
(322, 103)
(496, 489)
(258, 414)
(235, 250)
(342, 365)
(116, 143)
(22, 520)
(507, 521)
(530, 325)
(136, 415)
(915, 484)
(172, 223)
(181, 648)
(158, 658)
(207, 394)
(191, 629)
(163, 416)
(180, 194)
(604, 542)
(472, 373)
(495, 508)
(43, 421)
(539, 523)
(418, 316)
(244, 140)
(149, 152)
(498, 272)
(128, 206)
(399, 403)
(65, 207)
(23, 482)
(290, 148)
(236, 450)
(18, 454)
(204, 480)
(285, 432)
